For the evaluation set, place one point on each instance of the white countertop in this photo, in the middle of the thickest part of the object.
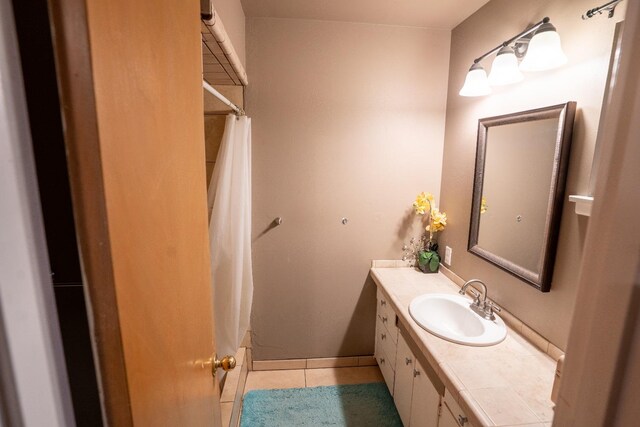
(506, 384)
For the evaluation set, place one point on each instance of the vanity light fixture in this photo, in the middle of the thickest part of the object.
(476, 82)
(538, 47)
(544, 52)
(504, 70)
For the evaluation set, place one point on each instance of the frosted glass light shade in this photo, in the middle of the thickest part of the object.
(545, 51)
(476, 83)
(504, 69)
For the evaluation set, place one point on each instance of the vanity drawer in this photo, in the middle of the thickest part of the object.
(387, 373)
(385, 343)
(379, 352)
(384, 306)
(387, 316)
(389, 323)
(387, 366)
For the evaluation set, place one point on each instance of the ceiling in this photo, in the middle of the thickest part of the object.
(443, 14)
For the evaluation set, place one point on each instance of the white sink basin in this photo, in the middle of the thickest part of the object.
(449, 317)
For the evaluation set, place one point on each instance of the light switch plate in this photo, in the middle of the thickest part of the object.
(447, 255)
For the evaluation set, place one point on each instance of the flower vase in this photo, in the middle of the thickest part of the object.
(428, 261)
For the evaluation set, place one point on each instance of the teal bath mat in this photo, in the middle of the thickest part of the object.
(341, 405)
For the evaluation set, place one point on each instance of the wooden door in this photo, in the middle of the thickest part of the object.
(130, 78)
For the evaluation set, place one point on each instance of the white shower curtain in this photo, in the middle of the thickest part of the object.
(230, 235)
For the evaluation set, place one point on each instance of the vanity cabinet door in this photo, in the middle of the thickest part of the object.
(451, 415)
(404, 381)
(425, 401)
(447, 419)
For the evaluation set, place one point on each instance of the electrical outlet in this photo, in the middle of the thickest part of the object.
(447, 255)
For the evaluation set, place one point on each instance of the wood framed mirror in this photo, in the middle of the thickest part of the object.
(518, 190)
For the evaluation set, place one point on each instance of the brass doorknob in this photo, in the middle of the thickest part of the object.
(227, 363)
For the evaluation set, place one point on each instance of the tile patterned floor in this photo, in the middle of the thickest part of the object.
(265, 380)
(300, 378)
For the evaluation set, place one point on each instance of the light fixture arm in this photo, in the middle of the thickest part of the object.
(521, 35)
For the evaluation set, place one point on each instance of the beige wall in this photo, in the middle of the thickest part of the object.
(348, 121)
(232, 16)
(587, 45)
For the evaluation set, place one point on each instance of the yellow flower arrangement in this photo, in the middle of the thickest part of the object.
(437, 220)
(423, 203)
(426, 252)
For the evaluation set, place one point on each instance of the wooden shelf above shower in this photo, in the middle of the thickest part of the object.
(216, 66)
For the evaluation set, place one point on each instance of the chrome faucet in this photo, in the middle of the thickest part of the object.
(482, 307)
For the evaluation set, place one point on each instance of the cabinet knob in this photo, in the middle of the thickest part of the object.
(384, 319)
(407, 360)
(382, 360)
(415, 373)
(462, 420)
(383, 302)
(383, 336)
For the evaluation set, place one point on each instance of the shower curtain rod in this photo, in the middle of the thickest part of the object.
(239, 111)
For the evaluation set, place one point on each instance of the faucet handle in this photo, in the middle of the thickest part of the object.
(493, 307)
(490, 308)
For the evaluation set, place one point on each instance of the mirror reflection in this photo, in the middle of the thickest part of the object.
(518, 190)
(515, 191)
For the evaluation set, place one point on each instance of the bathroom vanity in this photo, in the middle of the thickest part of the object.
(436, 382)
